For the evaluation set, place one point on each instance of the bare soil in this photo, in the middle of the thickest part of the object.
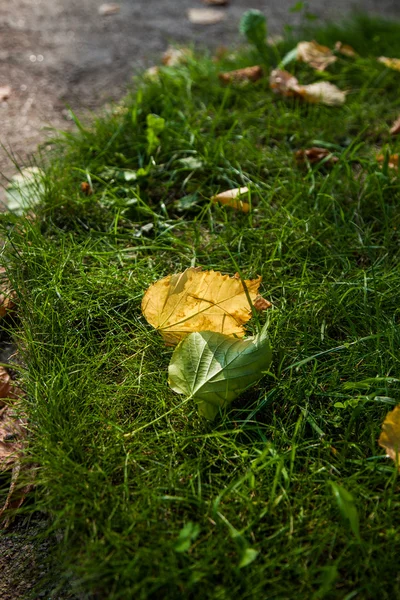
(59, 53)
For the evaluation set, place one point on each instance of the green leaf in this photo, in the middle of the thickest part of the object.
(247, 557)
(155, 125)
(187, 535)
(347, 507)
(214, 369)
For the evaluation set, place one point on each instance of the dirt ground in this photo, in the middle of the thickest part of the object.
(59, 53)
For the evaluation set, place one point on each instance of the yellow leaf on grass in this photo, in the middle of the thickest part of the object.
(232, 198)
(282, 82)
(317, 56)
(197, 300)
(390, 436)
(390, 63)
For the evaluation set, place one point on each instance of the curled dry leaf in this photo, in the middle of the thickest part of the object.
(5, 92)
(232, 198)
(282, 82)
(261, 304)
(390, 436)
(197, 300)
(205, 16)
(109, 9)
(241, 75)
(393, 162)
(176, 56)
(345, 49)
(317, 56)
(390, 63)
(86, 188)
(315, 155)
(395, 128)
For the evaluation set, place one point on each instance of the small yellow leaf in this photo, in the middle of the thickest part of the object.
(232, 198)
(345, 49)
(390, 436)
(198, 300)
(317, 56)
(390, 63)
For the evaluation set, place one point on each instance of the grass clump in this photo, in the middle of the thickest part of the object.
(152, 506)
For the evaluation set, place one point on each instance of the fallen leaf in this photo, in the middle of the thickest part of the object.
(390, 436)
(282, 82)
(317, 56)
(390, 63)
(197, 300)
(214, 369)
(5, 383)
(395, 128)
(176, 56)
(393, 162)
(5, 92)
(86, 188)
(239, 75)
(315, 155)
(24, 189)
(205, 16)
(109, 9)
(345, 49)
(7, 295)
(261, 304)
(323, 92)
(216, 2)
(232, 198)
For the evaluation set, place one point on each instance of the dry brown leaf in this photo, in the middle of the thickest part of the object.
(323, 92)
(317, 56)
(197, 300)
(109, 9)
(315, 155)
(232, 198)
(390, 436)
(345, 49)
(390, 63)
(395, 128)
(86, 188)
(5, 92)
(5, 384)
(241, 75)
(393, 161)
(261, 304)
(282, 82)
(205, 16)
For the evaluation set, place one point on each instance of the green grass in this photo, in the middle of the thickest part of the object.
(119, 480)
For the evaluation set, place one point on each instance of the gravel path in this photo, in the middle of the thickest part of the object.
(55, 53)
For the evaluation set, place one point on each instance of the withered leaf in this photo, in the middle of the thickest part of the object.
(323, 92)
(261, 304)
(205, 16)
(395, 128)
(393, 162)
(390, 436)
(345, 49)
(240, 75)
(232, 198)
(390, 63)
(197, 300)
(86, 188)
(317, 56)
(315, 155)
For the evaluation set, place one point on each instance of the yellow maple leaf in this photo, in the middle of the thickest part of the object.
(390, 436)
(197, 300)
(317, 56)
